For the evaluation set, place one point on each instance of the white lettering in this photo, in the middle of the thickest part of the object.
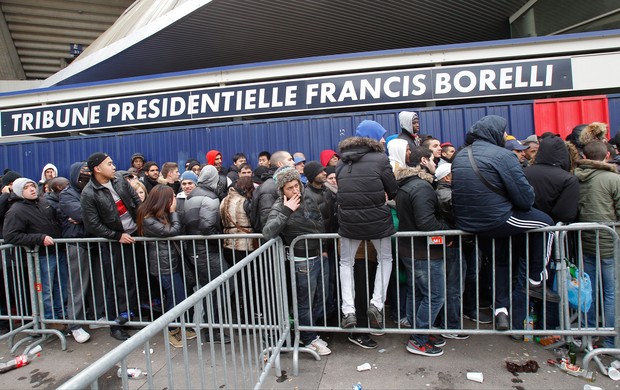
(154, 108)
(387, 87)
(48, 119)
(487, 77)
(549, 78)
(94, 114)
(419, 88)
(519, 83)
(311, 92)
(80, 116)
(373, 90)
(113, 110)
(465, 74)
(347, 92)
(505, 78)
(193, 104)
(177, 106)
(127, 111)
(290, 95)
(214, 105)
(227, 95)
(250, 99)
(442, 83)
(16, 118)
(534, 82)
(327, 92)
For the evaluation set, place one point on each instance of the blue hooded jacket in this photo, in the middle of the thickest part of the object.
(477, 208)
(70, 204)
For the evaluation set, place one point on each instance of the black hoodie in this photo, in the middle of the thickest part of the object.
(556, 189)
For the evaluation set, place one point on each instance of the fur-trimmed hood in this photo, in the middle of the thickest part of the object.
(587, 169)
(405, 173)
(353, 148)
(594, 164)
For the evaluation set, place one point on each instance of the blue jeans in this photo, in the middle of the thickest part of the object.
(606, 270)
(456, 269)
(312, 276)
(54, 276)
(173, 287)
(429, 293)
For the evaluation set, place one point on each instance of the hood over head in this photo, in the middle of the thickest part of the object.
(370, 129)
(209, 177)
(327, 155)
(74, 173)
(553, 151)
(45, 168)
(397, 152)
(406, 120)
(354, 148)
(491, 129)
(211, 155)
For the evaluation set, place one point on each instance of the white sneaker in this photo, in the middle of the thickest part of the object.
(319, 346)
(80, 335)
(97, 326)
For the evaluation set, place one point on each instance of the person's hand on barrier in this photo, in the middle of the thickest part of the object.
(126, 239)
(48, 241)
(292, 203)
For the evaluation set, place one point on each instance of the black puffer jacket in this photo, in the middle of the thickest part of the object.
(557, 191)
(364, 177)
(99, 212)
(418, 210)
(326, 202)
(28, 222)
(164, 256)
(306, 219)
(262, 200)
(476, 207)
(70, 205)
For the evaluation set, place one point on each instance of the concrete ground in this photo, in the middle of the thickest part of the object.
(392, 366)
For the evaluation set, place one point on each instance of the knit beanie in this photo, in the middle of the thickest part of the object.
(189, 175)
(406, 120)
(370, 129)
(9, 177)
(284, 175)
(312, 170)
(189, 164)
(19, 184)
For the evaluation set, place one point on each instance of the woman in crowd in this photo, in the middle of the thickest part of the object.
(157, 217)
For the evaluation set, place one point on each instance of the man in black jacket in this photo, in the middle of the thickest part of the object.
(365, 178)
(498, 208)
(418, 210)
(109, 210)
(31, 222)
(266, 194)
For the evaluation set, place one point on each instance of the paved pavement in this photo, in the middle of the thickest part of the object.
(392, 366)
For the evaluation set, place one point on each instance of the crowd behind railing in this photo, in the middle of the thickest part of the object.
(504, 193)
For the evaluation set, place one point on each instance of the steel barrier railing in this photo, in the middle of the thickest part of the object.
(255, 340)
(557, 320)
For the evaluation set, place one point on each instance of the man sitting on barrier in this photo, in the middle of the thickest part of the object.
(109, 206)
(418, 210)
(492, 198)
(599, 201)
(292, 215)
(31, 222)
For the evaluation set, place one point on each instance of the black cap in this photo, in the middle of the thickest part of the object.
(95, 159)
(9, 177)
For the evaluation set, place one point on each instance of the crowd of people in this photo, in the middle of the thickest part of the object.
(373, 186)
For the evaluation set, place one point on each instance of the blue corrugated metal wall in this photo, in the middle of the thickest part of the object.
(308, 134)
(614, 113)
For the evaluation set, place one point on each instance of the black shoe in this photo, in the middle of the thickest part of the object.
(502, 322)
(536, 291)
(479, 317)
(362, 340)
(436, 340)
(375, 317)
(118, 333)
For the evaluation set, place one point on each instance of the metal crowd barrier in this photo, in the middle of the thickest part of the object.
(561, 320)
(247, 303)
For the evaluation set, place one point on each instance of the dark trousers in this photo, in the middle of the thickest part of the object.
(117, 263)
(496, 243)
